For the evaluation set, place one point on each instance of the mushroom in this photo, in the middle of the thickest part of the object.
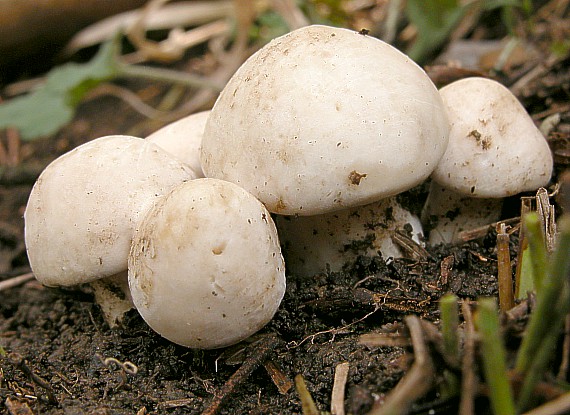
(84, 207)
(205, 267)
(313, 244)
(495, 150)
(183, 138)
(323, 119)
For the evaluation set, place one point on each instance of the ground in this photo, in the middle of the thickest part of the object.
(59, 356)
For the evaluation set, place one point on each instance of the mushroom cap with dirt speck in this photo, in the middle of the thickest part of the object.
(84, 207)
(205, 267)
(183, 138)
(495, 149)
(323, 119)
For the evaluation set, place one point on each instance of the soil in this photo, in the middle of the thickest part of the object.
(59, 356)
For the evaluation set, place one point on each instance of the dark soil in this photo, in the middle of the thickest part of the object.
(58, 356)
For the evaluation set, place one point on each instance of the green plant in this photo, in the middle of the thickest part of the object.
(552, 306)
(52, 105)
(435, 20)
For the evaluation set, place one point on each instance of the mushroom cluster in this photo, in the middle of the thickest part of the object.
(319, 130)
(121, 207)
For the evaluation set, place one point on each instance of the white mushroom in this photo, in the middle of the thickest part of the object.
(323, 119)
(183, 139)
(313, 244)
(84, 207)
(494, 151)
(205, 268)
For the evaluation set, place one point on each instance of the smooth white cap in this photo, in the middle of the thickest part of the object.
(494, 150)
(205, 268)
(322, 119)
(183, 139)
(84, 207)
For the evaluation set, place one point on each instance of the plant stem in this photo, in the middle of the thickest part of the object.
(166, 75)
(449, 325)
(547, 319)
(307, 402)
(554, 291)
(493, 354)
(537, 249)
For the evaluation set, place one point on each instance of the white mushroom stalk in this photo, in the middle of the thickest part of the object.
(84, 207)
(323, 119)
(183, 139)
(313, 244)
(205, 268)
(495, 150)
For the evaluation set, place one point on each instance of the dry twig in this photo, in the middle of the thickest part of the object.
(417, 381)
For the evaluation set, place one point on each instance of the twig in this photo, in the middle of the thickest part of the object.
(558, 406)
(181, 14)
(167, 75)
(339, 385)
(14, 282)
(257, 353)
(416, 382)
(479, 232)
(468, 379)
(281, 381)
(505, 277)
(18, 361)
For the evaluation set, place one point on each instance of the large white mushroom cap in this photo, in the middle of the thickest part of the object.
(322, 119)
(84, 207)
(205, 268)
(183, 139)
(494, 150)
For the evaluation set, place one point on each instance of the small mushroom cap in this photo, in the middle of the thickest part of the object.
(494, 150)
(322, 119)
(183, 139)
(205, 268)
(83, 209)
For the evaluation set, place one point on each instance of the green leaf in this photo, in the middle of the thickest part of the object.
(434, 21)
(52, 105)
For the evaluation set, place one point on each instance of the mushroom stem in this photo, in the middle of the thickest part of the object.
(113, 296)
(312, 243)
(448, 213)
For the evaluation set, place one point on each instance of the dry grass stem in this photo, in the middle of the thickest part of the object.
(558, 406)
(547, 218)
(416, 382)
(506, 296)
(290, 12)
(339, 385)
(182, 14)
(16, 281)
(307, 402)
